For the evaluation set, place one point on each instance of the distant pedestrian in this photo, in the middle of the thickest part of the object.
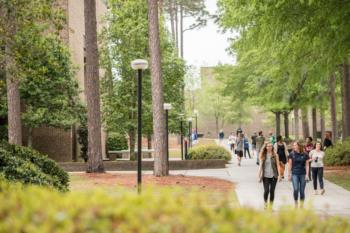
(316, 157)
(231, 141)
(221, 136)
(272, 138)
(282, 151)
(246, 147)
(239, 148)
(308, 147)
(268, 171)
(254, 143)
(298, 163)
(327, 140)
(260, 140)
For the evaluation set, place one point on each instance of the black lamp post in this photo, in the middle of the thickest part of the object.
(167, 107)
(139, 65)
(182, 135)
(190, 132)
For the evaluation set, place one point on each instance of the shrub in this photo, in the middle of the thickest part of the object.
(209, 152)
(83, 141)
(21, 210)
(339, 154)
(26, 165)
(116, 141)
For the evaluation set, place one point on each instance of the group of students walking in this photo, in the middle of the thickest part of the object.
(273, 158)
(304, 162)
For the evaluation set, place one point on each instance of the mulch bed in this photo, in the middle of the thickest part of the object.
(86, 181)
(336, 169)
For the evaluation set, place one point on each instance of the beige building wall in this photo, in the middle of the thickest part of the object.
(59, 144)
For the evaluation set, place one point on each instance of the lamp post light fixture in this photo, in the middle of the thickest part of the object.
(139, 65)
(190, 132)
(167, 107)
(181, 115)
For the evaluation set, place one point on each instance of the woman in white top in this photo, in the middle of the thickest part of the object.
(316, 157)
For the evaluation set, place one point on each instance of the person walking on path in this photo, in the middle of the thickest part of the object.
(254, 143)
(309, 146)
(298, 163)
(272, 138)
(268, 172)
(246, 147)
(260, 140)
(327, 140)
(316, 157)
(231, 141)
(239, 147)
(282, 151)
(221, 136)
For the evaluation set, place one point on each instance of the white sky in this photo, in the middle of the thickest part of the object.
(207, 46)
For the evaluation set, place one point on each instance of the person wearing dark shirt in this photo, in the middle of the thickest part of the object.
(281, 149)
(327, 141)
(298, 162)
(246, 147)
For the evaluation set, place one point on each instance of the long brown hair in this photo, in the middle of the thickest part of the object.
(263, 152)
(300, 146)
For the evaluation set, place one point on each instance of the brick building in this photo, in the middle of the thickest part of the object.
(59, 144)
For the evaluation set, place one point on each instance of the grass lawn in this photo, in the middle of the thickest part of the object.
(340, 177)
(216, 190)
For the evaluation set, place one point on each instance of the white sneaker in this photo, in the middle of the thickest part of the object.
(316, 193)
(322, 191)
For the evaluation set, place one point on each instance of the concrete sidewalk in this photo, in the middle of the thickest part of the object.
(336, 200)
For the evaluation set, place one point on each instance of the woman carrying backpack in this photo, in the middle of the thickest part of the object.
(268, 172)
(239, 147)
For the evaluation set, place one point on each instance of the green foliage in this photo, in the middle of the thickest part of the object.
(28, 166)
(125, 39)
(48, 88)
(116, 141)
(83, 138)
(338, 155)
(286, 50)
(166, 212)
(209, 152)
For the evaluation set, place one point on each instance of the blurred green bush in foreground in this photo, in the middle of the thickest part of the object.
(37, 209)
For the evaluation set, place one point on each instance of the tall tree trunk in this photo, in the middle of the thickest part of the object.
(172, 20)
(278, 123)
(92, 89)
(314, 123)
(296, 123)
(322, 124)
(181, 31)
(217, 125)
(132, 142)
(176, 27)
(286, 124)
(333, 104)
(13, 97)
(346, 100)
(305, 122)
(160, 161)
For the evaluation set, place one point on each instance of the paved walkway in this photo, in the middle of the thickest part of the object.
(336, 200)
